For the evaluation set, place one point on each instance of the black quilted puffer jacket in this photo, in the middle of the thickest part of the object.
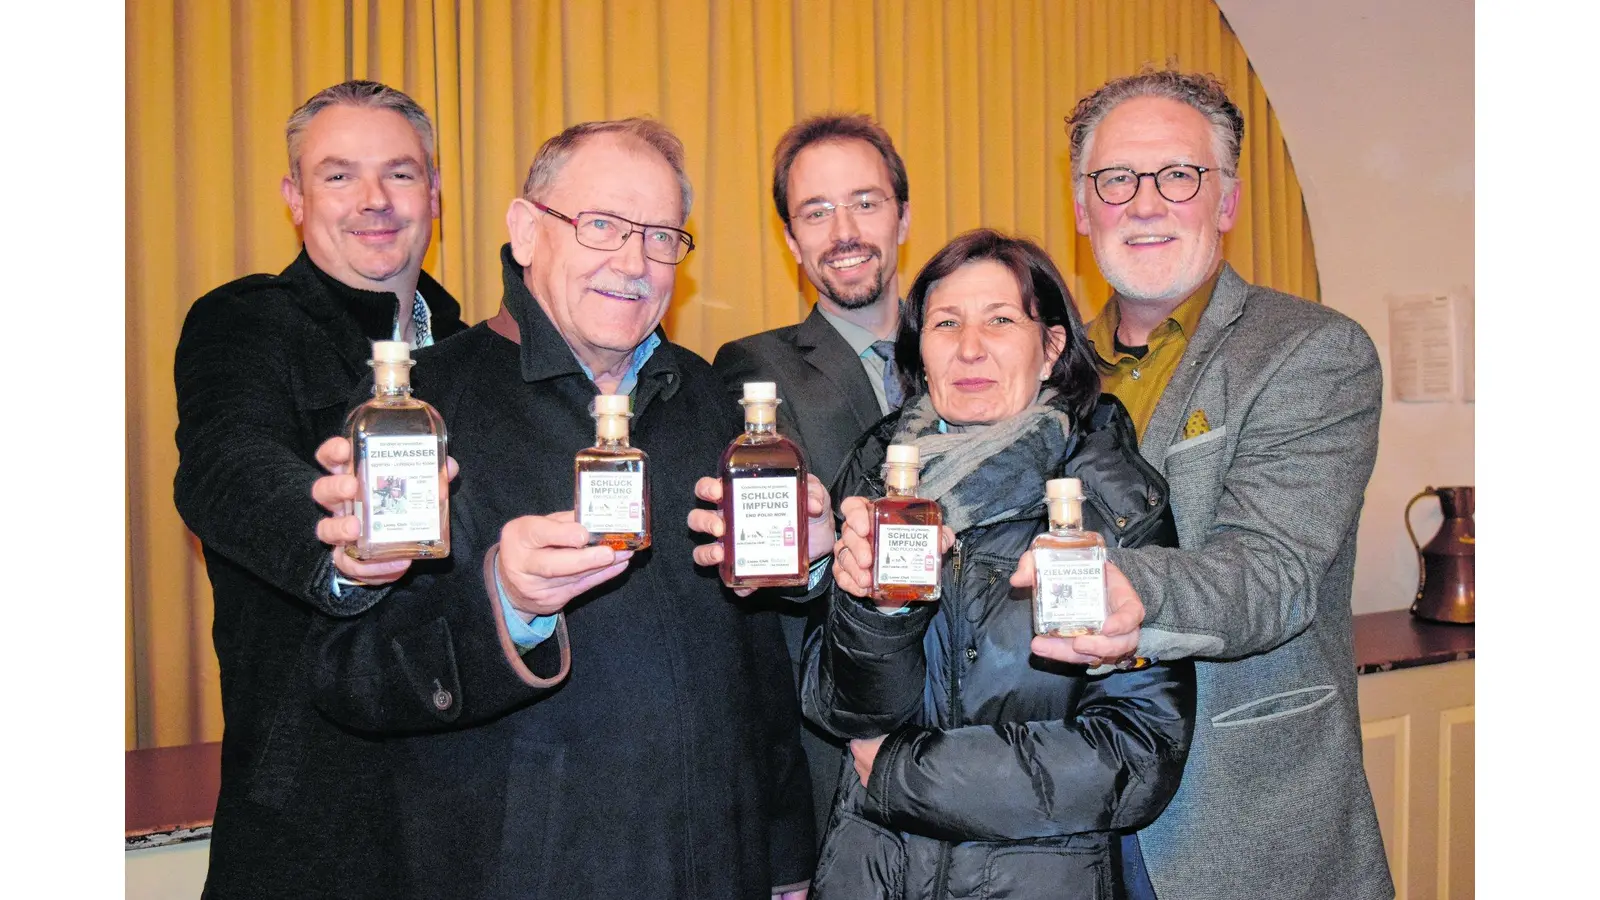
(1003, 775)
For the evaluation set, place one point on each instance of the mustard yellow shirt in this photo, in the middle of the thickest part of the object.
(1137, 382)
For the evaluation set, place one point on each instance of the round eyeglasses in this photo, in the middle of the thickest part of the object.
(1116, 185)
(606, 231)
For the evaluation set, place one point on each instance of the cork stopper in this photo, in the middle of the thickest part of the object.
(903, 454)
(765, 391)
(900, 468)
(1063, 489)
(1064, 497)
(611, 412)
(391, 367)
(391, 352)
(613, 405)
(760, 402)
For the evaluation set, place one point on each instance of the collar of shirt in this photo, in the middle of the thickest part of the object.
(859, 339)
(641, 355)
(1102, 332)
(1139, 381)
(538, 338)
(425, 314)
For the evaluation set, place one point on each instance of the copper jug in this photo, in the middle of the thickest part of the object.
(1444, 566)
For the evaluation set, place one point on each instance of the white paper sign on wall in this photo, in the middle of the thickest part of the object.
(1431, 346)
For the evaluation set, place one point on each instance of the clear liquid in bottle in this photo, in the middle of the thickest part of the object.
(1069, 582)
(398, 446)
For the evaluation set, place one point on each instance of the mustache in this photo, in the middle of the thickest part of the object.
(852, 248)
(638, 287)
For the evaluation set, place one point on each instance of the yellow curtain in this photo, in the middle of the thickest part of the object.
(974, 93)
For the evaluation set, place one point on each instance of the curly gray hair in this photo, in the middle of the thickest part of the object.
(1204, 93)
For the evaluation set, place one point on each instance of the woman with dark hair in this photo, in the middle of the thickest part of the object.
(979, 770)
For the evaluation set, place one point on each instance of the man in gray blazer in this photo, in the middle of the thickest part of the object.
(841, 189)
(1262, 411)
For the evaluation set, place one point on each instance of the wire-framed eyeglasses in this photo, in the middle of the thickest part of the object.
(1116, 185)
(818, 212)
(606, 231)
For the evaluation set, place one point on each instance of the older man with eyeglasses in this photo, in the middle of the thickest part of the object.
(1261, 410)
(575, 721)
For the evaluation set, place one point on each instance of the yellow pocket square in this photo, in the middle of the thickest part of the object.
(1197, 425)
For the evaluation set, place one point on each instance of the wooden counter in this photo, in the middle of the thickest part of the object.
(1396, 639)
(171, 794)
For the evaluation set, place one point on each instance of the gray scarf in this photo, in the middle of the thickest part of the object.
(990, 474)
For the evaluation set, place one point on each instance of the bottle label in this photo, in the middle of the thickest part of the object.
(908, 554)
(766, 523)
(402, 489)
(1070, 590)
(611, 502)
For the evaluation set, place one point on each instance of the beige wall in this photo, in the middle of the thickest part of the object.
(1376, 102)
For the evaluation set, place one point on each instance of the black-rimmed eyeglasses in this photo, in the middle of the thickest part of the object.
(1116, 185)
(605, 231)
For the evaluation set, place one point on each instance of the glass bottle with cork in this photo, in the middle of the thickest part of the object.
(1069, 581)
(398, 445)
(611, 489)
(763, 499)
(905, 533)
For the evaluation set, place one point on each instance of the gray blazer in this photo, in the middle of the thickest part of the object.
(1274, 800)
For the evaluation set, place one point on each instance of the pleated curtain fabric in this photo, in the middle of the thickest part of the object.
(974, 93)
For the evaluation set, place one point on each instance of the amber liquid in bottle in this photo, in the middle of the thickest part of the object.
(399, 446)
(611, 489)
(763, 500)
(1069, 585)
(905, 535)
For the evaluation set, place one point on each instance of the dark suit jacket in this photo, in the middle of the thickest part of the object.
(828, 403)
(827, 400)
(265, 370)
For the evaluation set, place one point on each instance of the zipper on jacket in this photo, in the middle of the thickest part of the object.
(941, 875)
(957, 639)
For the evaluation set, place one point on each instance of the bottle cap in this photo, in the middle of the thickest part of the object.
(760, 390)
(391, 351)
(1063, 489)
(613, 405)
(905, 454)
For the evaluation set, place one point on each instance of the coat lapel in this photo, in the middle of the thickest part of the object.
(1173, 410)
(827, 351)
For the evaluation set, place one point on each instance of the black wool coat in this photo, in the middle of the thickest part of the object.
(649, 748)
(265, 369)
(1002, 774)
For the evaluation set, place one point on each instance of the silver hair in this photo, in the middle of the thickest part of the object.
(554, 153)
(1203, 93)
(363, 94)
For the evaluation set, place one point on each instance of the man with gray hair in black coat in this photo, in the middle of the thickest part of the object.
(265, 369)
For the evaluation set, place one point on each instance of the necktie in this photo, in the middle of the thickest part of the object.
(420, 322)
(891, 377)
